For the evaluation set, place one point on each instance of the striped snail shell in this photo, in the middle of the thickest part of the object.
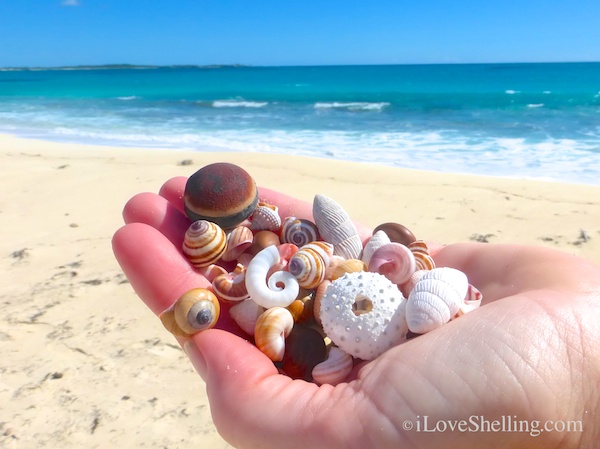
(310, 263)
(298, 231)
(421, 252)
(239, 239)
(232, 286)
(196, 310)
(271, 330)
(204, 243)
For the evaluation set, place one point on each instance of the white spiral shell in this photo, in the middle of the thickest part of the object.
(310, 263)
(435, 299)
(279, 290)
(336, 227)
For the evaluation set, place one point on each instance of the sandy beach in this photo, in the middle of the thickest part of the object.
(85, 364)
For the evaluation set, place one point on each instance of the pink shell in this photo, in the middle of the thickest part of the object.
(472, 301)
(395, 261)
(239, 240)
(335, 369)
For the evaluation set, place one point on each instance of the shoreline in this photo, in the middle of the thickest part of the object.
(86, 364)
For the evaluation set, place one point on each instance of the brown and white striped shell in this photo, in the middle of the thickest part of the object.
(232, 286)
(336, 227)
(204, 243)
(271, 330)
(239, 239)
(422, 258)
(298, 231)
(310, 263)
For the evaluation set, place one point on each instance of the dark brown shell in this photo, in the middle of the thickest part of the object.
(397, 233)
(222, 193)
(304, 349)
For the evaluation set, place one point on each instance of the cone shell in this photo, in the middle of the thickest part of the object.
(232, 286)
(239, 239)
(265, 218)
(271, 330)
(245, 314)
(223, 193)
(196, 310)
(204, 243)
(310, 263)
(379, 239)
(435, 299)
(395, 261)
(335, 369)
(336, 227)
(298, 231)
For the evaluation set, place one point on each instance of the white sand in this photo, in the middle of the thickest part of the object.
(85, 364)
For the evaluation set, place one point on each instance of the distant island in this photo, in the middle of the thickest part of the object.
(124, 67)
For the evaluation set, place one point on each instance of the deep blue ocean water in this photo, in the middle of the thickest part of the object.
(518, 120)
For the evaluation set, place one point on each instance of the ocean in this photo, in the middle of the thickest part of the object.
(513, 120)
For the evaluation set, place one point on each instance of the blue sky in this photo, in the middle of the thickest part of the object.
(308, 32)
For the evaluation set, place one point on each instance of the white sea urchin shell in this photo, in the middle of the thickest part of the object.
(363, 313)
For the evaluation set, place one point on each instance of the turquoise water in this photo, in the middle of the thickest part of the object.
(521, 120)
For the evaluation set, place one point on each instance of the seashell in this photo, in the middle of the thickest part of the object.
(167, 318)
(319, 293)
(298, 231)
(395, 261)
(296, 308)
(335, 369)
(336, 227)
(379, 239)
(304, 349)
(212, 271)
(397, 233)
(346, 266)
(471, 302)
(435, 299)
(239, 239)
(265, 218)
(245, 314)
(279, 290)
(407, 287)
(196, 310)
(204, 243)
(232, 286)
(271, 330)
(223, 193)
(309, 264)
(261, 240)
(421, 252)
(364, 314)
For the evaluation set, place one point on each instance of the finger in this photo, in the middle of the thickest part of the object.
(173, 190)
(157, 271)
(158, 212)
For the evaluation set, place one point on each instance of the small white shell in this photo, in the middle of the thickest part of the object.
(379, 239)
(271, 330)
(333, 370)
(281, 288)
(265, 218)
(245, 314)
(435, 299)
(363, 314)
(395, 261)
(472, 301)
(336, 227)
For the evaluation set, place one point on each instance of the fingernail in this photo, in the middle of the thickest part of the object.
(195, 357)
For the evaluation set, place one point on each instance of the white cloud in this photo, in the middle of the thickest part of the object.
(70, 3)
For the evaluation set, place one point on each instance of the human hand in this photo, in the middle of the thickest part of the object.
(531, 354)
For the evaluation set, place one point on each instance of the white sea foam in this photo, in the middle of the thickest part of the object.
(535, 105)
(128, 98)
(511, 92)
(352, 105)
(238, 104)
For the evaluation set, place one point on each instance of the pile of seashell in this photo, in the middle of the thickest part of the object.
(310, 296)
